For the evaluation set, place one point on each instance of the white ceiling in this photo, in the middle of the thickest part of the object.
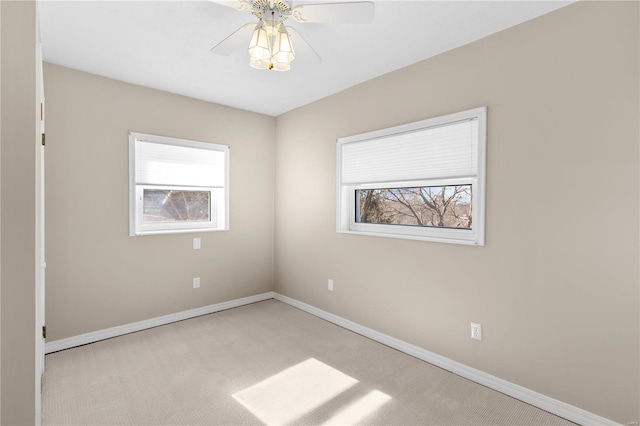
(165, 45)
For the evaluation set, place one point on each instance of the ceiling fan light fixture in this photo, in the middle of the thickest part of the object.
(260, 45)
(283, 52)
(271, 46)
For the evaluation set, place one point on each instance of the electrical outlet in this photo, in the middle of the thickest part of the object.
(196, 282)
(476, 331)
(330, 285)
(196, 243)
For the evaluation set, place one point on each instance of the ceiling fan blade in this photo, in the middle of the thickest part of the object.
(306, 55)
(235, 4)
(347, 13)
(235, 42)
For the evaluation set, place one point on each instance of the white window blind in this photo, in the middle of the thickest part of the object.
(164, 164)
(445, 151)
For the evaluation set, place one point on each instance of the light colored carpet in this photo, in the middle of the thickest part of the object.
(266, 363)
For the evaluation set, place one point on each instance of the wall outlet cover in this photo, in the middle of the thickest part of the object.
(476, 331)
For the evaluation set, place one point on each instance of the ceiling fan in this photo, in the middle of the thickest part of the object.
(270, 42)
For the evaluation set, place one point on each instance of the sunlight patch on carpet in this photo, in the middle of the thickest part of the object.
(294, 392)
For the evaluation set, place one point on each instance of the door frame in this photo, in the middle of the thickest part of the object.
(40, 236)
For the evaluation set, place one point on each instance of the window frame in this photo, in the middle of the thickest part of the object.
(346, 202)
(219, 195)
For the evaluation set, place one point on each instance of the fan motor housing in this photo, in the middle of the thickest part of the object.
(276, 11)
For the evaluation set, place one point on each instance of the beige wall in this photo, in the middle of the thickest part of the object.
(97, 275)
(17, 183)
(556, 287)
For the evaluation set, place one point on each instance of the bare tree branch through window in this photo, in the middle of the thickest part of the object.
(428, 206)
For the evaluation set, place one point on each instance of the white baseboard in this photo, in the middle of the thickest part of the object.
(83, 339)
(536, 399)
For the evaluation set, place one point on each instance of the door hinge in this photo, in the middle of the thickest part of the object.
(44, 332)
(44, 140)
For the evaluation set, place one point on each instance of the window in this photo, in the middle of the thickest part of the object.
(423, 180)
(177, 185)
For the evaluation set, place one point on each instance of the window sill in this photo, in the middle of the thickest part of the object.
(176, 231)
(414, 237)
